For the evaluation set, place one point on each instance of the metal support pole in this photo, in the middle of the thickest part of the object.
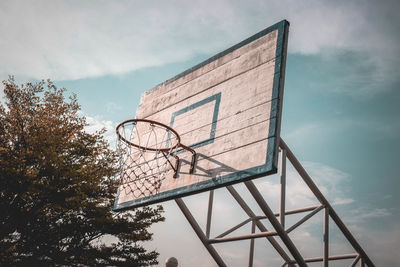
(259, 224)
(326, 237)
(275, 223)
(241, 237)
(305, 218)
(283, 188)
(227, 232)
(353, 264)
(307, 179)
(251, 255)
(209, 213)
(199, 232)
(295, 211)
(331, 258)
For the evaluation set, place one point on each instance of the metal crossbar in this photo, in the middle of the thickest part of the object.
(277, 221)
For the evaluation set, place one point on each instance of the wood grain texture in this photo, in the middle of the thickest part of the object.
(268, 41)
(227, 109)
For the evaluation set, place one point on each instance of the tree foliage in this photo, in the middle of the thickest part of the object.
(57, 185)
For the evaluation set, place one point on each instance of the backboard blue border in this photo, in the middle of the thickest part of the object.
(217, 99)
(271, 156)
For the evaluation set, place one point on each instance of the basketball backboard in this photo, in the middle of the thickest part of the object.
(227, 108)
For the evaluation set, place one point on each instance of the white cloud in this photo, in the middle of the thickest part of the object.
(362, 214)
(380, 243)
(342, 201)
(75, 39)
(330, 181)
(111, 107)
(384, 244)
(96, 124)
(72, 40)
(310, 134)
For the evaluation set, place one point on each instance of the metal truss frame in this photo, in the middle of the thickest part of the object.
(277, 221)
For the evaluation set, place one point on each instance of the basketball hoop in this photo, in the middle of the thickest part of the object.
(145, 148)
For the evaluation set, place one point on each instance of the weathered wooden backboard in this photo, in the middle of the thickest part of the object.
(228, 108)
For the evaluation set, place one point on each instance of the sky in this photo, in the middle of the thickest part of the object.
(340, 114)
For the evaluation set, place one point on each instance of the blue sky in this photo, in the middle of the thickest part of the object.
(340, 115)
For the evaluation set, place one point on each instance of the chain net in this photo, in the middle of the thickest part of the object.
(143, 167)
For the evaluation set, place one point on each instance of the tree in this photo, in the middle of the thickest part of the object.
(57, 185)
